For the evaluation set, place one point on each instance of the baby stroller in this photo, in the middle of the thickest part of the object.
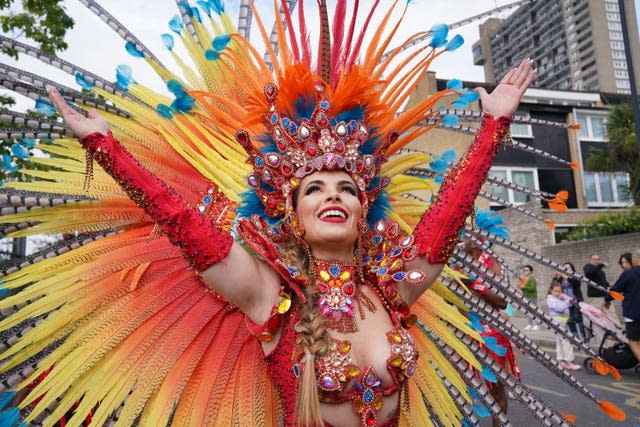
(614, 347)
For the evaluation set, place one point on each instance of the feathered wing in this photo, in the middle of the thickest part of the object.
(123, 329)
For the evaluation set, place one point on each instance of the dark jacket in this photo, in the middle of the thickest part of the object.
(628, 284)
(577, 291)
(595, 273)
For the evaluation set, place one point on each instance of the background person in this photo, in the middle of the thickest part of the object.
(628, 284)
(530, 290)
(558, 305)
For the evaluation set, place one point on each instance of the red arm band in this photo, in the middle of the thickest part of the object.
(438, 230)
(202, 242)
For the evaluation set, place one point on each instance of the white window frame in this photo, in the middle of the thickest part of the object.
(588, 115)
(599, 203)
(510, 192)
(527, 127)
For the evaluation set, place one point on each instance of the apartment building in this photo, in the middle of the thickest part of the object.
(577, 44)
(590, 193)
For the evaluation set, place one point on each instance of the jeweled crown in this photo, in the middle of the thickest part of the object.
(308, 145)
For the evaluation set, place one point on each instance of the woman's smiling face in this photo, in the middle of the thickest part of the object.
(328, 208)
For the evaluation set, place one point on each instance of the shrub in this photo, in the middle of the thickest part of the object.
(608, 225)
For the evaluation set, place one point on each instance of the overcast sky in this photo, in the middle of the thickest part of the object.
(96, 47)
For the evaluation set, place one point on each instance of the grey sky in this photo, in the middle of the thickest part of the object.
(94, 46)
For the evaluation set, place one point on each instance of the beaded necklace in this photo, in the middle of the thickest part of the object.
(338, 285)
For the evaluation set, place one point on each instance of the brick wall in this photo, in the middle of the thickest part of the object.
(609, 248)
(534, 235)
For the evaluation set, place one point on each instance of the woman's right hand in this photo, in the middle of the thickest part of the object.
(80, 125)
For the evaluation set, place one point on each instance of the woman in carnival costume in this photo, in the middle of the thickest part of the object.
(315, 298)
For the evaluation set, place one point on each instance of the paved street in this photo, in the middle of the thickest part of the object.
(625, 393)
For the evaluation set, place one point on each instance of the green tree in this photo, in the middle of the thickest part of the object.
(46, 23)
(43, 21)
(621, 152)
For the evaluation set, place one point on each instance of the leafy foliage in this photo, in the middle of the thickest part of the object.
(608, 225)
(621, 153)
(43, 21)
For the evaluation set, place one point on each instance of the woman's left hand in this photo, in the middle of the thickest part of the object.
(506, 97)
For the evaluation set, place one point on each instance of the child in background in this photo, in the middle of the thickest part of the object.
(529, 288)
(558, 305)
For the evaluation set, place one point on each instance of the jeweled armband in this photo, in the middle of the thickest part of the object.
(438, 230)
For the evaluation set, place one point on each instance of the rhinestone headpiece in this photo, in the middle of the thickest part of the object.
(309, 145)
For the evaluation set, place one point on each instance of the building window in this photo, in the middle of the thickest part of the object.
(615, 35)
(615, 17)
(606, 189)
(614, 26)
(621, 74)
(623, 84)
(526, 177)
(611, 7)
(617, 45)
(521, 130)
(620, 64)
(592, 127)
(618, 54)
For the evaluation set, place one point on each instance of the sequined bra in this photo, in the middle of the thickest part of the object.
(335, 371)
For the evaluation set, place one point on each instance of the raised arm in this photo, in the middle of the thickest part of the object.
(439, 228)
(240, 278)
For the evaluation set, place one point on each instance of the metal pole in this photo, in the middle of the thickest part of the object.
(632, 78)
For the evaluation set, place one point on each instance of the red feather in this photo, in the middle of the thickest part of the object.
(356, 50)
(354, 16)
(338, 37)
(291, 31)
(304, 35)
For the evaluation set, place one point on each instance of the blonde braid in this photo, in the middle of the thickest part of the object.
(313, 339)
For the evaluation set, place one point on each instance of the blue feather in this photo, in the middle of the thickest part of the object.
(217, 6)
(304, 107)
(454, 84)
(469, 96)
(219, 43)
(176, 24)
(488, 375)
(439, 34)
(10, 417)
(175, 87)
(183, 103)
(168, 41)
(460, 105)
(449, 156)
(133, 50)
(84, 84)
(379, 209)
(493, 345)
(356, 113)
(492, 222)
(124, 76)
(205, 6)
(509, 310)
(454, 43)
(475, 321)
(6, 161)
(19, 151)
(438, 166)
(439, 179)
(479, 409)
(195, 13)
(28, 142)
(7, 396)
(212, 55)
(165, 111)
(44, 106)
(450, 120)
